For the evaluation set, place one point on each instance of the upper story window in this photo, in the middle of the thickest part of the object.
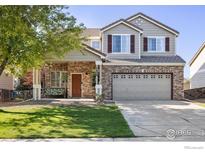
(156, 44)
(95, 44)
(121, 43)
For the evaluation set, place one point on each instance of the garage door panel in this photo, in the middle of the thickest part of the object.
(144, 86)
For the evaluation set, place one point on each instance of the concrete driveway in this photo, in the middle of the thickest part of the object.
(164, 120)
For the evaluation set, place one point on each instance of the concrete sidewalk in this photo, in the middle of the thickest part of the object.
(135, 139)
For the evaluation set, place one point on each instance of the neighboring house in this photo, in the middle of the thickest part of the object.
(129, 59)
(186, 84)
(7, 85)
(197, 69)
(7, 82)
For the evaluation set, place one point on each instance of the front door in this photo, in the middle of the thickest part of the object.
(76, 85)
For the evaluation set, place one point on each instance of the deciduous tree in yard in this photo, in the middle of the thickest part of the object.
(29, 34)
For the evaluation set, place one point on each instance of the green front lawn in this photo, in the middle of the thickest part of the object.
(46, 121)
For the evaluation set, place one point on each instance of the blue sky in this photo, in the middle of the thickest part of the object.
(188, 20)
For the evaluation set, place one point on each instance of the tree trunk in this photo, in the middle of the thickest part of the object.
(3, 65)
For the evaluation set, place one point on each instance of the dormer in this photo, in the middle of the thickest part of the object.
(121, 40)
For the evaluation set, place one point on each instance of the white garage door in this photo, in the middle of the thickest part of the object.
(141, 86)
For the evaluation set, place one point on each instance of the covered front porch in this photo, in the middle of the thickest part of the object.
(77, 75)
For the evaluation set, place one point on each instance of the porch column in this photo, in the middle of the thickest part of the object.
(36, 84)
(98, 85)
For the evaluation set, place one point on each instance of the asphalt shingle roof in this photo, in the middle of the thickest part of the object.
(161, 59)
(91, 32)
(156, 59)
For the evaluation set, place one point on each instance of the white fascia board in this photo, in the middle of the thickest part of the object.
(197, 54)
(101, 56)
(122, 22)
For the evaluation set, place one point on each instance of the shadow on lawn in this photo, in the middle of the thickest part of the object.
(64, 122)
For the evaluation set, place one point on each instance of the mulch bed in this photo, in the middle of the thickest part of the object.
(45, 102)
(26, 102)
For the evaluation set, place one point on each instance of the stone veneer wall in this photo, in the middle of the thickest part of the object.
(196, 93)
(85, 68)
(177, 71)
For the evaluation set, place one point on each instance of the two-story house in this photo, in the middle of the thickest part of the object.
(129, 59)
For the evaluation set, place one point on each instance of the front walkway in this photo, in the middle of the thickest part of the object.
(75, 140)
(164, 120)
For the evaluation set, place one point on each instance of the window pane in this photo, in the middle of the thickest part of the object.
(96, 44)
(125, 43)
(152, 44)
(64, 77)
(57, 79)
(53, 83)
(160, 44)
(116, 43)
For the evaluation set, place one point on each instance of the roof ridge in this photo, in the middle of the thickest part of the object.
(142, 14)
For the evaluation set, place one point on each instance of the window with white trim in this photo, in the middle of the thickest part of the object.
(120, 43)
(95, 44)
(156, 44)
(59, 79)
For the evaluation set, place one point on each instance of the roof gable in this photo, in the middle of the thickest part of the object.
(157, 23)
(94, 51)
(197, 54)
(87, 53)
(121, 21)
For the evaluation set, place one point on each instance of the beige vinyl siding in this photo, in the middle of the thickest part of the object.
(6, 82)
(150, 29)
(78, 56)
(121, 29)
